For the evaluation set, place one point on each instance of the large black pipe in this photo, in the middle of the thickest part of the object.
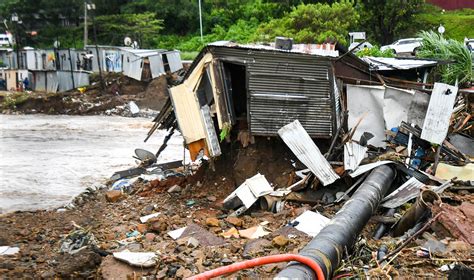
(328, 247)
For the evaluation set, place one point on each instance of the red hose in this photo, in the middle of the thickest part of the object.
(258, 262)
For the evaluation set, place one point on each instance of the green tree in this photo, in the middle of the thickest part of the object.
(313, 23)
(384, 20)
(141, 27)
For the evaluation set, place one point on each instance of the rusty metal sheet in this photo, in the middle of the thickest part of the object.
(298, 140)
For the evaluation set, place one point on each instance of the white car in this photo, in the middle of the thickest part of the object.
(408, 45)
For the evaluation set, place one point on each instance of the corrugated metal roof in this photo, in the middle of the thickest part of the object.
(298, 140)
(392, 63)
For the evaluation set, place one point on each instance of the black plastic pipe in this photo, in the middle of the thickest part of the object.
(328, 247)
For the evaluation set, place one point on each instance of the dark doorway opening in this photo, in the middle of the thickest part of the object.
(236, 87)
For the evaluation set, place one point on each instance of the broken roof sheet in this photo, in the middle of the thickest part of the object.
(393, 63)
(311, 49)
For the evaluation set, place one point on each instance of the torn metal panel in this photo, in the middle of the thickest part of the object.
(435, 127)
(174, 61)
(353, 155)
(367, 102)
(409, 190)
(367, 167)
(211, 136)
(187, 113)
(301, 144)
(156, 66)
(396, 106)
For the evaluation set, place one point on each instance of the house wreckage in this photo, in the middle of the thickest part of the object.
(373, 133)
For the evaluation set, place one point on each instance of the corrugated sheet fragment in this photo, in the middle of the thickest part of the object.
(435, 126)
(409, 190)
(301, 144)
(353, 155)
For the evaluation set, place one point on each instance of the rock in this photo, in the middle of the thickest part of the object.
(48, 274)
(234, 221)
(114, 196)
(280, 241)
(85, 260)
(192, 242)
(162, 273)
(226, 261)
(142, 228)
(174, 189)
(150, 236)
(212, 222)
(211, 198)
(182, 272)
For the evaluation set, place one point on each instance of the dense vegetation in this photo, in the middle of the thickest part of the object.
(175, 24)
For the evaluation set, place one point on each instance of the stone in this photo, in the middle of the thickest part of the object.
(114, 196)
(212, 222)
(110, 236)
(234, 221)
(175, 189)
(150, 236)
(226, 261)
(280, 241)
(183, 273)
(211, 198)
(192, 242)
(142, 228)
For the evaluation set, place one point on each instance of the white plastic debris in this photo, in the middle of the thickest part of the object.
(140, 259)
(144, 219)
(133, 108)
(8, 250)
(311, 223)
(175, 234)
(251, 190)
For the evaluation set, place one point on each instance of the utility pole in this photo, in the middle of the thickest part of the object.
(102, 83)
(85, 24)
(200, 19)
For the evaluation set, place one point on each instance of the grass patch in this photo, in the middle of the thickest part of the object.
(458, 23)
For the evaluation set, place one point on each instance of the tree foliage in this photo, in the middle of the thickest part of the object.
(436, 46)
(313, 23)
(141, 27)
(383, 20)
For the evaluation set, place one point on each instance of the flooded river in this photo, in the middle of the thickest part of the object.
(47, 160)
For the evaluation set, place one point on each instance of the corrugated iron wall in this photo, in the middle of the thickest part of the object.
(284, 87)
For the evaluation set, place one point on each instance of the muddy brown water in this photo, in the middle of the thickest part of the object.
(46, 160)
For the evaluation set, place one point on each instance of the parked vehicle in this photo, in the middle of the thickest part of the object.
(409, 45)
(469, 44)
(6, 40)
